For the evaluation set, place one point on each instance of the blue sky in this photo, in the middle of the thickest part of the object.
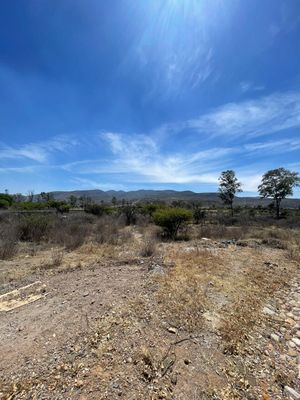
(147, 94)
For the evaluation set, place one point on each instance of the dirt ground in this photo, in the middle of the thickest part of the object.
(197, 320)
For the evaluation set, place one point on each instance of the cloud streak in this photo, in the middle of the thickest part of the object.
(252, 118)
(38, 152)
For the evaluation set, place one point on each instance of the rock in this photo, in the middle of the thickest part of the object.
(290, 321)
(85, 294)
(172, 330)
(275, 337)
(292, 353)
(291, 392)
(268, 311)
(296, 341)
(79, 383)
(174, 379)
(187, 361)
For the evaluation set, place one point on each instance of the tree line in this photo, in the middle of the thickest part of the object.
(276, 184)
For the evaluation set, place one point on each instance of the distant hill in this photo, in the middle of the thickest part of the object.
(167, 195)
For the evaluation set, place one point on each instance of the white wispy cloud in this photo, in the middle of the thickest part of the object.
(39, 151)
(141, 158)
(247, 86)
(22, 170)
(262, 116)
(275, 146)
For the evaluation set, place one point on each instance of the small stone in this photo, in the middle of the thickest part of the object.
(291, 344)
(129, 360)
(85, 294)
(174, 379)
(79, 383)
(172, 330)
(275, 337)
(290, 321)
(292, 392)
(186, 361)
(292, 353)
(268, 311)
(296, 341)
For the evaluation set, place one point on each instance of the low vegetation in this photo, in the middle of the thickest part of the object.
(182, 289)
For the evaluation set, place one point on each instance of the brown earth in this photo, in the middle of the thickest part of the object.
(187, 323)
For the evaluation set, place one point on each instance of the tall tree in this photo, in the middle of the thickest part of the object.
(229, 186)
(73, 201)
(278, 184)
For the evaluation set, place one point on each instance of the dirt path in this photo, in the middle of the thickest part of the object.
(39, 332)
(100, 332)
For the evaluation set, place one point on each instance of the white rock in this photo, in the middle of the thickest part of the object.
(268, 311)
(296, 341)
(291, 392)
(275, 337)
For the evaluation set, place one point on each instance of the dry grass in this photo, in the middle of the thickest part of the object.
(57, 256)
(241, 315)
(149, 247)
(183, 289)
(220, 231)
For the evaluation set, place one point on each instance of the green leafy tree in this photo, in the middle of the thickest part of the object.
(73, 201)
(46, 197)
(229, 186)
(172, 219)
(6, 200)
(114, 201)
(277, 184)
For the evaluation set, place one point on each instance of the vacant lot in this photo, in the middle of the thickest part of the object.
(108, 311)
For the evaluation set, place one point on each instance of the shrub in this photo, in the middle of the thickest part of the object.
(130, 213)
(149, 209)
(97, 209)
(198, 215)
(171, 220)
(28, 205)
(6, 200)
(70, 233)
(33, 228)
(4, 203)
(149, 247)
(107, 230)
(8, 241)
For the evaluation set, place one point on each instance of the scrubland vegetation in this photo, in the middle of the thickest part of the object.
(149, 300)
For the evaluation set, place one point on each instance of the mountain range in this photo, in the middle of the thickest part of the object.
(98, 196)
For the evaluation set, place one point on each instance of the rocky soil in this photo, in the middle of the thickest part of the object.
(102, 330)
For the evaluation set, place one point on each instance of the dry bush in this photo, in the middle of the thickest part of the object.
(35, 227)
(8, 240)
(57, 256)
(71, 232)
(107, 230)
(149, 247)
(293, 251)
(182, 293)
